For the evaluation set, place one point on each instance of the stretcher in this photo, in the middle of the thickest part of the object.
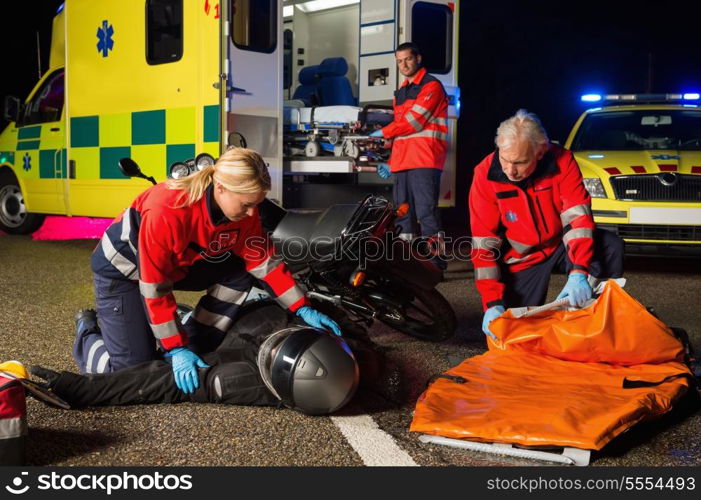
(339, 131)
(566, 379)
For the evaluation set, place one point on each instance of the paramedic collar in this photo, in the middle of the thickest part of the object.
(418, 76)
(216, 216)
(546, 166)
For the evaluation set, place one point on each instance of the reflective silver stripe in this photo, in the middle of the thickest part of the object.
(155, 290)
(413, 122)
(581, 232)
(290, 297)
(102, 362)
(420, 110)
(167, 329)
(518, 246)
(486, 242)
(126, 229)
(218, 321)
(263, 269)
(436, 134)
(226, 294)
(514, 260)
(486, 273)
(573, 212)
(13, 427)
(439, 121)
(123, 265)
(91, 354)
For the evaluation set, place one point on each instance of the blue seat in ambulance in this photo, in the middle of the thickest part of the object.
(335, 88)
(308, 91)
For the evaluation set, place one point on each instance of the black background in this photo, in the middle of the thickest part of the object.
(538, 55)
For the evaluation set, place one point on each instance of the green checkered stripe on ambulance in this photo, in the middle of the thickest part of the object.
(151, 138)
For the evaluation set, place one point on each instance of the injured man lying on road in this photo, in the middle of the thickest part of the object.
(264, 360)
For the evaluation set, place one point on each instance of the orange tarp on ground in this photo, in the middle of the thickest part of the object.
(566, 378)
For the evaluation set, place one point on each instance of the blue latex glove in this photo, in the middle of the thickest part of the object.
(383, 170)
(377, 133)
(185, 364)
(577, 290)
(490, 315)
(314, 318)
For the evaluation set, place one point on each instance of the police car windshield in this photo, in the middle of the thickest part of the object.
(637, 130)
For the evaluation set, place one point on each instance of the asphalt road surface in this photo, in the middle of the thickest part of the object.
(43, 284)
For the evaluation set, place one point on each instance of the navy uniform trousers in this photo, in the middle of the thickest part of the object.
(122, 336)
(530, 286)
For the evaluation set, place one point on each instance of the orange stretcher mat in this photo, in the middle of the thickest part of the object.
(561, 378)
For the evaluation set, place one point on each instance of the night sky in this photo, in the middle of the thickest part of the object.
(539, 55)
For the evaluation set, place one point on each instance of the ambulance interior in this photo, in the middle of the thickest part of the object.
(331, 65)
(339, 77)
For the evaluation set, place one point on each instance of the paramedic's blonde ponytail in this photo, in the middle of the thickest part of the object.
(239, 170)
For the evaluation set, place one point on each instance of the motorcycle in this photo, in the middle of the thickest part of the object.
(350, 256)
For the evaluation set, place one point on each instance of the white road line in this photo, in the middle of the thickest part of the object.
(375, 446)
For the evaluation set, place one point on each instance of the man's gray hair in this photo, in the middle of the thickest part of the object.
(522, 126)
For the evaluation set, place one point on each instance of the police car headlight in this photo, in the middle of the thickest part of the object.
(203, 160)
(595, 187)
(178, 170)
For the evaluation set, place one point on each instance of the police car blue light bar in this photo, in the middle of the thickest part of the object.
(633, 98)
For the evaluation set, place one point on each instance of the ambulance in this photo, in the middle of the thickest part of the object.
(162, 81)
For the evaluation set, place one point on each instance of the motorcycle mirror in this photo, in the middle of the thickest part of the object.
(131, 169)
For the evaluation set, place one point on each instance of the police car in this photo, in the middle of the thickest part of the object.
(640, 156)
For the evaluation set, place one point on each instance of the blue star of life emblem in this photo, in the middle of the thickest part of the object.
(27, 162)
(511, 216)
(104, 35)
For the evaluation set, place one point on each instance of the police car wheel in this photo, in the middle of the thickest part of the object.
(14, 218)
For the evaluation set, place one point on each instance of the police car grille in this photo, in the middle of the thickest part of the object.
(657, 187)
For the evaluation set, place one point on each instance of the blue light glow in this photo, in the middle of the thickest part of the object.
(596, 157)
(591, 97)
(691, 96)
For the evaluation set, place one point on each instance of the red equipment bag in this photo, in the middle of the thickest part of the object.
(13, 420)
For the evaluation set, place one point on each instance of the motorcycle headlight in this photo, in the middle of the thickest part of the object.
(203, 160)
(178, 170)
(595, 187)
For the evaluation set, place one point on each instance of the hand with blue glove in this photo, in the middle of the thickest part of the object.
(490, 315)
(577, 289)
(383, 170)
(314, 318)
(185, 364)
(377, 133)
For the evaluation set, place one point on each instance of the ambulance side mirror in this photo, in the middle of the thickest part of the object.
(131, 169)
(11, 109)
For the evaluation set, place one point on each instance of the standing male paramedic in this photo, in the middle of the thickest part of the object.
(419, 134)
(530, 214)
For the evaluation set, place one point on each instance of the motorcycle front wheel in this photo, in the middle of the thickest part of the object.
(423, 314)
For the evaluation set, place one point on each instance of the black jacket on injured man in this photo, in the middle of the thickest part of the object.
(234, 376)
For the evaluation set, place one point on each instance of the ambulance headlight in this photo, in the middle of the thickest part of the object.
(203, 160)
(595, 187)
(178, 170)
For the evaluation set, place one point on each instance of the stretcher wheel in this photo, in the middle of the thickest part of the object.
(311, 149)
(351, 149)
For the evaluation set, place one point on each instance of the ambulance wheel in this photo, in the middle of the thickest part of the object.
(311, 149)
(14, 218)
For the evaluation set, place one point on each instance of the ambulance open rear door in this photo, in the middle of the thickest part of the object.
(253, 68)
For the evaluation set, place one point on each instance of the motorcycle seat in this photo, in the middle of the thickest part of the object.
(304, 236)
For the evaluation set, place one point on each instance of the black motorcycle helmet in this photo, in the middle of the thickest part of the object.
(309, 370)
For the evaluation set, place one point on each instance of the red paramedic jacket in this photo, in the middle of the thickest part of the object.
(518, 225)
(155, 244)
(420, 126)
